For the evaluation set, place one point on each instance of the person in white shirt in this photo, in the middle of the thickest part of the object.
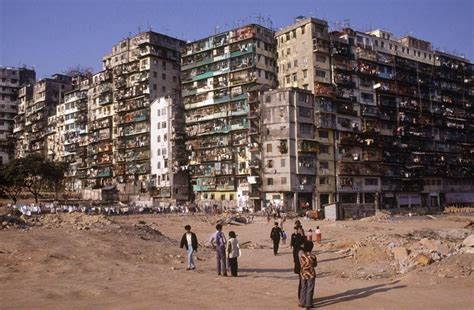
(233, 252)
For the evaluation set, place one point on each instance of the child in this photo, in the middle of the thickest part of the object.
(318, 235)
(307, 275)
(310, 235)
(233, 251)
(283, 237)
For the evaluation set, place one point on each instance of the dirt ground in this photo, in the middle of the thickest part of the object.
(134, 262)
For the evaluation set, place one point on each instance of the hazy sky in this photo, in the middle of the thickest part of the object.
(53, 35)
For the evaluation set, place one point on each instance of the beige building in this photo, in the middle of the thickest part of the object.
(304, 61)
(37, 104)
(11, 80)
(289, 149)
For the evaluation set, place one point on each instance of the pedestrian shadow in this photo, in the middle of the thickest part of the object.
(355, 294)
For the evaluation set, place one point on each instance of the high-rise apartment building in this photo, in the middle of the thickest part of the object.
(289, 148)
(11, 79)
(139, 70)
(168, 160)
(67, 131)
(37, 104)
(218, 72)
(393, 116)
(304, 61)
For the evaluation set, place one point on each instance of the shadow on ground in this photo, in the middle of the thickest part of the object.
(355, 294)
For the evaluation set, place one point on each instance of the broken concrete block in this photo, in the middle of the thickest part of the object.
(400, 253)
(469, 241)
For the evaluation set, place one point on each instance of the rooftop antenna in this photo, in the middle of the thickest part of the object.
(139, 29)
(216, 29)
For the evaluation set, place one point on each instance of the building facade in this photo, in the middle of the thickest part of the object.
(169, 174)
(305, 61)
(289, 148)
(218, 72)
(37, 104)
(393, 118)
(11, 80)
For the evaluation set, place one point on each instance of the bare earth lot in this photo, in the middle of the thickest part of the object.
(134, 262)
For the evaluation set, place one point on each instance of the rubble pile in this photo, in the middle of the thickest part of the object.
(228, 218)
(380, 256)
(77, 221)
(253, 245)
(12, 221)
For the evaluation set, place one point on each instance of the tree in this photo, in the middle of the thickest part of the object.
(55, 176)
(79, 71)
(12, 179)
(37, 170)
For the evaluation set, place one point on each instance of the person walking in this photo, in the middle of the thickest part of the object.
(219, 242)
(276, 235)
(318, 235)
(190, 242)
(307, 275)
(296, 242)
(233, 252)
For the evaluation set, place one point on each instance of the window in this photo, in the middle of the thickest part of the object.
(165, 163)
(371, 182)
(269, 181)
(305, 74)
(306, 128)
(288, 51)
(323, 134)
(158, 152)
(320, 73)
(222, 196)
(323, 165)
(323, 149)
(323, 180)
(159, 165)
(163, 151)
(283, 180)
(155, 74)
(270, 163)
(269, 148)
(282, 163)
(165, 137)
(163, 76)
(158, 125)
(295, 63)
(154, 87)
(320, 58)
(163, 125)
(158, 139)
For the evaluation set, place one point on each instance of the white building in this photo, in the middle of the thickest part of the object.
(168, 155)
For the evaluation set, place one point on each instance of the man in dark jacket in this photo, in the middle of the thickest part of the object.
(190, 242)
(276, 235)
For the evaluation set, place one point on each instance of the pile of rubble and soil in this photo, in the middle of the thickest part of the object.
(384, 256)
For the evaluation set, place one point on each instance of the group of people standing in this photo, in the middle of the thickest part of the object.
(227, 250)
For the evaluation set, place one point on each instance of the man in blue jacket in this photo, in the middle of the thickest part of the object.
(219, 241)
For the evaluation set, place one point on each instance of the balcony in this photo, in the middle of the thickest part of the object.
(307, 146)
(134, 142)
(320, 45)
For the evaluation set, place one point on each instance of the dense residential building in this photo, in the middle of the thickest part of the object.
(67, 131)
(143, 68)
(218, 72)
(11, 80)
(304, 61)
(169, 175)
(289, 148)
(37, 104)
(397, 113)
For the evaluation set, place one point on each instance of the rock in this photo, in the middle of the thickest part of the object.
(422, 259)
(469, 250)
(469, 241)
(430, 244)
(454, 234)
(443, 249)
(400, 253)
(435, 256)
